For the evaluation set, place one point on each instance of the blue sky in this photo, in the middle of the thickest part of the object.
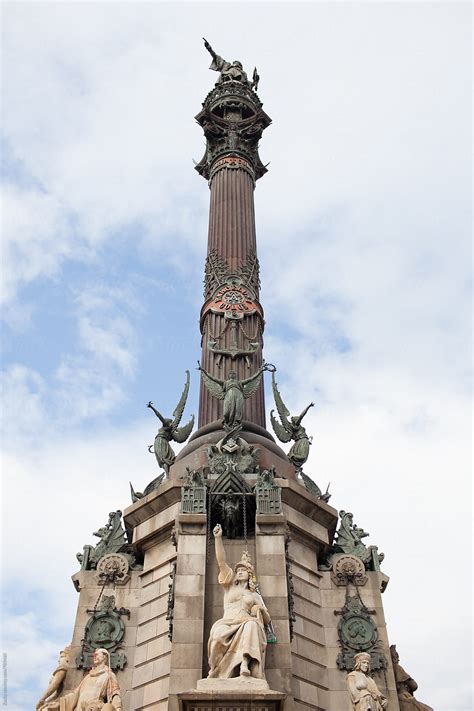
(363, 226)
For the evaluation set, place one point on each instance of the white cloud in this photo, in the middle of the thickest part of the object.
(363, 229)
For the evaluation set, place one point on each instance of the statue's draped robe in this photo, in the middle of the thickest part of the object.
(163, 451)
(299, 452)
(227, 70)
(233, 402)
(405, 688)
(237, 633)
(100, 685)
(364, 692)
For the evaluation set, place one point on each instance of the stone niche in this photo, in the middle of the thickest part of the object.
(177, 595)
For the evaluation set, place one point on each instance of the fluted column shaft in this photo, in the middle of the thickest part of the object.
(232, 236)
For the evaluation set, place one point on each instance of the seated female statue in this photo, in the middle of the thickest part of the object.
(237, 642)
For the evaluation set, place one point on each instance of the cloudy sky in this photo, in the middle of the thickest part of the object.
(363, 226)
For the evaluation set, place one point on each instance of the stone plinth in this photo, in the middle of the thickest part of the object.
(231, 700)
(239, 684)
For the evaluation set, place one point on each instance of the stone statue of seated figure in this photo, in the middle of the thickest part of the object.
(237, 642)
(98, 690)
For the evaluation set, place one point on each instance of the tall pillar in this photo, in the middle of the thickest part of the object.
(232, 317)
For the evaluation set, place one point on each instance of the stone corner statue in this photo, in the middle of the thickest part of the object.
(405, 686)
(170, 430)
(230, 71)
(56, 682)
(98, 690)
(291, 429)
(363, 690)
(233, 392)
(237, 642)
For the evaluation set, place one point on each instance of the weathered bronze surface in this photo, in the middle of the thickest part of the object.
(291, 429)
(112, 540)
(349, 540)
(358, 633)
(105, 629)
(164, 453)
(233, 392)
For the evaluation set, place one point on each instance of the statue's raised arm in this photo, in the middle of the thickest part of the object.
(209, 48)
(229, 71)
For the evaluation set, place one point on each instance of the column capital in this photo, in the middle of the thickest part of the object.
(233, 121)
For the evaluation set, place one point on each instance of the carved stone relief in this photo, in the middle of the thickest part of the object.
(105, 629)
(358, 633)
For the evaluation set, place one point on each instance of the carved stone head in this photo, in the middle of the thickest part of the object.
(100, 656)
(362, 662)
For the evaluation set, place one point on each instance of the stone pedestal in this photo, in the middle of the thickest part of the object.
(231, 700)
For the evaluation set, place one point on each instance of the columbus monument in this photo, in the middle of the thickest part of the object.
(230, 582)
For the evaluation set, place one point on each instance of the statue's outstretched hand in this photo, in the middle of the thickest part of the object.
(217, 531)
(149, 404)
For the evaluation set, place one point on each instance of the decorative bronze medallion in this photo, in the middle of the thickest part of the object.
(233, 300)
(105, 629)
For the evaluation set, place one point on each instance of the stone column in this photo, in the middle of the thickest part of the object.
(232, 317)
(272, 578)
(188, 614)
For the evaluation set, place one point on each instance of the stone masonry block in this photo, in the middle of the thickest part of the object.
(278, 656)
(191, 564)
(188, 608)
(313, 673)
(271, 565)
(191, 545)
(184, 680)
(157, 647)
(161, 666)
(310, 650)
(146, 631)
(188, 631)
(189, 585)
(274, 585)
(185, 656)
(307, 629)
(156, 691)
(142, 675)
(307, 609)
(307, 591)
(159, 554)
(270, 545)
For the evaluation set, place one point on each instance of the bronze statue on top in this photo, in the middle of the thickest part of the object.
(233, 392)
(291, 429)
(164, 454)
(230, 71)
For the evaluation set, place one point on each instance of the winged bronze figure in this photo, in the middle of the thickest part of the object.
(290, 428)
(170, 430)
(233, 392)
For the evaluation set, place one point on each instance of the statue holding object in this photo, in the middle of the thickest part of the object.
(363, 690)
(233, 392)
(56, 682)
(98, 690)
(170, 430)
(237, 642)
(290, 429)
